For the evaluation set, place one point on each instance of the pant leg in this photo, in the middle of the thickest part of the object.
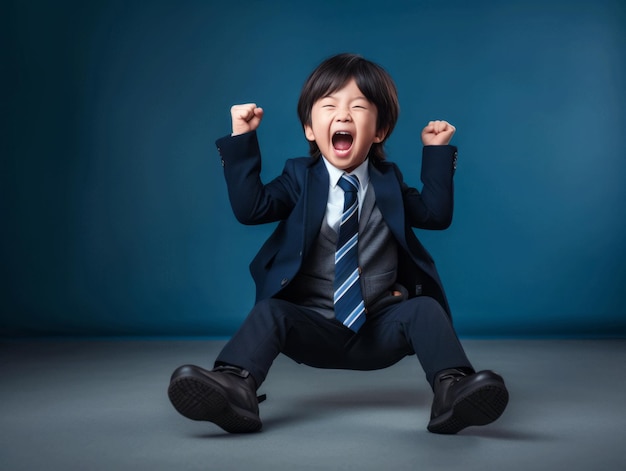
(417, 326)
(276, 326)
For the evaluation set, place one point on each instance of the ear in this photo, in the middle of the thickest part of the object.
(380, 136)
(308, 132)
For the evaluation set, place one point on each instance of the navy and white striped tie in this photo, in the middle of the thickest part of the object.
(349, 305)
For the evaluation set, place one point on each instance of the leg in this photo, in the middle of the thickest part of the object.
(418, 326)
(462, 396)
(226, 396)
(276, 326)
(421, 326)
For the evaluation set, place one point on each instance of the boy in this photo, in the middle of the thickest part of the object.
(343, 282)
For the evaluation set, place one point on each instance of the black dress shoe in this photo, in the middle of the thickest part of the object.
(463, 399)
(225, 396)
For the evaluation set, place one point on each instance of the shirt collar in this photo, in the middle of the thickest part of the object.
(361, 172)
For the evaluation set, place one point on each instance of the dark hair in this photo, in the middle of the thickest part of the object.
(373, 81)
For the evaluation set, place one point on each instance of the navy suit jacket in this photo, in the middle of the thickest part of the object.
(297, 198)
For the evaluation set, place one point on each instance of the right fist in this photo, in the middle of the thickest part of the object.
(245, 118)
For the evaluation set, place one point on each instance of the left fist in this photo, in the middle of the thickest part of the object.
(437, 133)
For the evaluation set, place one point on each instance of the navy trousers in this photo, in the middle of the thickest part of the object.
(417, 326)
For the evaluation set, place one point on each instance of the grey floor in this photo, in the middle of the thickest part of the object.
(102, 405)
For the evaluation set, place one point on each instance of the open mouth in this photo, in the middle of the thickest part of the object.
(342, 140)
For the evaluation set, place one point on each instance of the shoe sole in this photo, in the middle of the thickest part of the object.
(201, 400)
(480, 407)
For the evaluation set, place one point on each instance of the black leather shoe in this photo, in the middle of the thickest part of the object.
(463, 399)
(225, 396)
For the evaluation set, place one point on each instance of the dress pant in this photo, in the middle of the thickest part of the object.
(417, 326)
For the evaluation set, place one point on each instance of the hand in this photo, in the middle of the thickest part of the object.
(437, 133)
(245, 118)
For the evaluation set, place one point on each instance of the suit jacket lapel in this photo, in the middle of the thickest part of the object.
(388, 200)
(316, 198)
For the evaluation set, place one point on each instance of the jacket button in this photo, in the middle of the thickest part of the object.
(284, 281)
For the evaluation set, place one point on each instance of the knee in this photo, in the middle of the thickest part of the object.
(428, 304)
(426, 307)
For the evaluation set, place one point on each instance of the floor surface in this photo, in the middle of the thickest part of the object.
(102, 405)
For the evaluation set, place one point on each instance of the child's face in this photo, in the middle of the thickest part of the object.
(343, 125)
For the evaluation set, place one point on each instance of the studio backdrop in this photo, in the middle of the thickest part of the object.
(115, 216)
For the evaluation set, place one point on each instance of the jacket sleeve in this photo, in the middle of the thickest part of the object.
(432, 208)
(252, 201)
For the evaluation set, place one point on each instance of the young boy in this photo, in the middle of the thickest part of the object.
(343, 282)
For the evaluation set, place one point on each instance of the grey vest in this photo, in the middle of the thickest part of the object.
(378, 258)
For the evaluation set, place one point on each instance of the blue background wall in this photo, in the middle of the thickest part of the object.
(115, 214)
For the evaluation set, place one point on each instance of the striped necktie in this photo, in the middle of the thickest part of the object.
(349, 305)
